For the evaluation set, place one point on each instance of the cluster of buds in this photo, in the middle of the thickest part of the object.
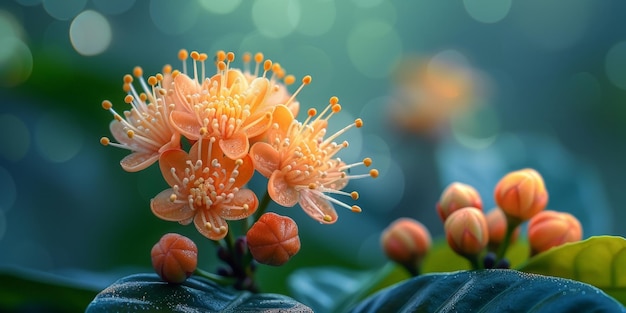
(211, 133)
(483, 239)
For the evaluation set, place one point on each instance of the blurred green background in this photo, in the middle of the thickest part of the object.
(449, 91)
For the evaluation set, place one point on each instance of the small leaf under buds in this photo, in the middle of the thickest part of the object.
(273, 239)
(174, 258)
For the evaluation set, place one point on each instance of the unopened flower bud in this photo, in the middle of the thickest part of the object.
(457, 196)
(406, 242)
(521, 194)
(273, 239)
(497, 224)
(466, 231)
(174, 258)
(551, 228)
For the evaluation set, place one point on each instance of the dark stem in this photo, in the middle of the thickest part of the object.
(504, 245)
(265, 201)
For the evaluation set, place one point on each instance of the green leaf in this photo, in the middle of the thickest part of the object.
(441, 258)
(493, 290)
(599, 261)
(333, 289)
(29, 290)
(148, 293)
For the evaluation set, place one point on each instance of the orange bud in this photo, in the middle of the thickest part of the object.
(174, 258)
(551, 228)
(521, 194)
(456, 196)
(406, 241)
(273, 239)
(466, 231)
(496, 223)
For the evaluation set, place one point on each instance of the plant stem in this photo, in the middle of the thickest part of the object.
(504, 245)
(265, 201)
(475, 261)
(224, 281)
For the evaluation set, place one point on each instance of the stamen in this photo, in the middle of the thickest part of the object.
(182, 55)
(305, 81)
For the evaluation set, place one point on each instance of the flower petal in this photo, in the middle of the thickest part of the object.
(234, 210)
(262, 122)
(282, 116)
(320, 209)
(137, 161)
(184, 86)
(236, 146)
(280, 191)
(210, 225)
(186, 123)
(265, 158)
(163, 207)
(173, 159)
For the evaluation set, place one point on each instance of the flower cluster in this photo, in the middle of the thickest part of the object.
(521, 196)
(235, 122)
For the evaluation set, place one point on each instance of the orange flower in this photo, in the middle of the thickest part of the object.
(466, 231)
(144, 129)
(406, 241)
(300, 163)
(497, 224)
(273, 239)
(228, 106)
(456, 196)
(549, 229)
(174, 258)
(206, 187)
(521, 194)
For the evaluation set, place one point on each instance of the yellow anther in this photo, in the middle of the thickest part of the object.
(258, 57)
(267, 65)
(356, 209)
(175, 73)
(333, 100)
(143, 97)
(312, 186)
(230, 56)
(367, 162)
(306, 79)
(223, 230)
(276, 68)
(358, 123)
(159, 76)
(173, 197)
(327, 218)
(220, 56)
(221, 66)
(239, 162)
(245, 207)
(247, 57)
(354, 195)
(374, 173)
(130, 133)
(126, 87)
(289, 79)
(128, 79)
(203, 57)
(195, 55)
(107, 105)
(183, 54)
(137, 71)
(105, 141)
(336, 108)
(311, 112)
(152, 80)
(117, 117)
(129, 99)
(167, 69)
(203, 131)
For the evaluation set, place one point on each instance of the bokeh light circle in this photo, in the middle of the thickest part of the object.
(173, 17)
(219, 6)
(10, 26)
(56, 138)
(374, 47)
(488, 11)
(16, 61)
(14, 138)
(615, 64)
(64, 9)
(276, 18)
(113, 6)
(90, 33)
(317, 17)
(9, 190)
(477, 129)
(367, 3)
